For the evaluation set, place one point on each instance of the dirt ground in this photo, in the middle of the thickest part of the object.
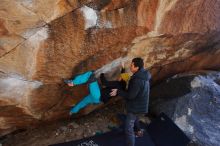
(67, 130)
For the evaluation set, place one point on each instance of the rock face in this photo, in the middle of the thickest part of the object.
(43, 42)
(167, 55)
(193, 104)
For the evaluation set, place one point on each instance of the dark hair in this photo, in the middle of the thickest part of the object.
(138, 62)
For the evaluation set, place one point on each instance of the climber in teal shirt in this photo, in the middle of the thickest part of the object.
(94, 89)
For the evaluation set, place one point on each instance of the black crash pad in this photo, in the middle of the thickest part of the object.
(166, 133)
(113, 138)
(160, 132)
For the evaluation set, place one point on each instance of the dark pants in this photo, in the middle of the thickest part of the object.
(109, 85)
(112, 84)
(131, 125)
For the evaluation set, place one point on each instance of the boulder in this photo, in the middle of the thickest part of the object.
(192, 101)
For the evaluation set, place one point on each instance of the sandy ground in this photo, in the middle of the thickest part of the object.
(67, 130)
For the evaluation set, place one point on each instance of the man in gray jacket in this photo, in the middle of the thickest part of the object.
(136, 96)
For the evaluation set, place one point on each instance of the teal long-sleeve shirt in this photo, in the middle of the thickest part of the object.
(82, 78)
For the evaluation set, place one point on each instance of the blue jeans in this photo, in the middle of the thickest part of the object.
(131, 121)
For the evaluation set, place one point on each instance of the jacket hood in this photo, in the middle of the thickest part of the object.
(142, 74)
